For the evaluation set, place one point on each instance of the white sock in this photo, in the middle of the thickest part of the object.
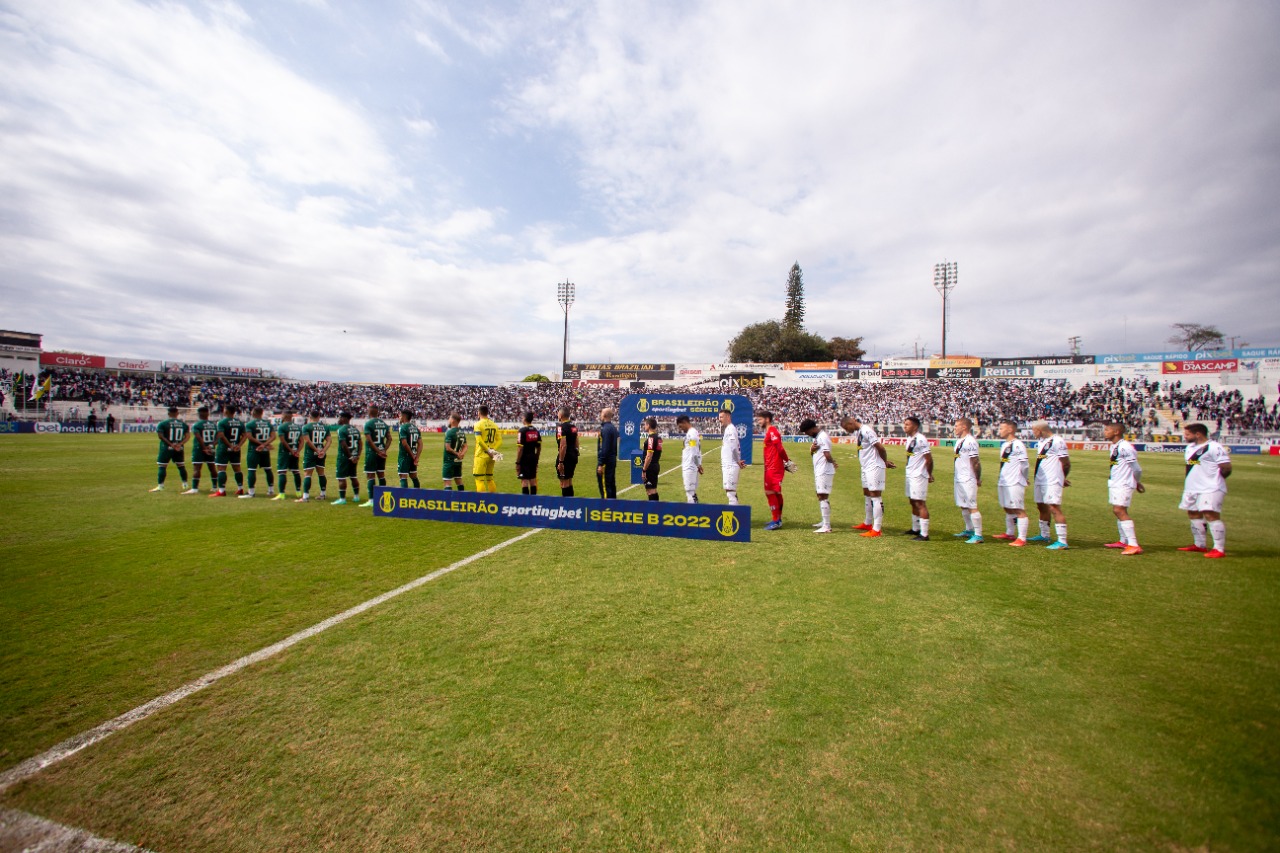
(1062, 533)
(877, 513)
(866, 505)
(1197, 531)
(1023, 525)
(1126, 533)
(733, 498)
(977, 522)
(924, 527)
(690, 497)
(968, 518)
(915, 522)
(1120, 527)
(1010, 524)
(1044, 529)
(825, 506)
(1218, 530)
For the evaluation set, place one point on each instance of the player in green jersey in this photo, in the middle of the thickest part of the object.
(173, 435)
(455, 449)
(410, 450)
(204, 434)
(377, 442)
(231, 437)
(287, 456)
(348, 467)
(315, 446)
(258, 454)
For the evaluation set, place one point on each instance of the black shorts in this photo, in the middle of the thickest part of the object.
(527, 471)
(651, 477)
(570, 465)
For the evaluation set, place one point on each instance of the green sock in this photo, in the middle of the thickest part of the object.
(222, 480)
(323, 482)
(160, 475)
(239, 479)
(306, 485)
(253, 477)
(416, 484)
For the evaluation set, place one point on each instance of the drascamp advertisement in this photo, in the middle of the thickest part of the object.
(709, 522)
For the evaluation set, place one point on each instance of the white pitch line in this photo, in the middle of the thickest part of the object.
(31, 834)
(72, 745)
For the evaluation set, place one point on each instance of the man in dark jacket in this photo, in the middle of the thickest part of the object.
(607, 456)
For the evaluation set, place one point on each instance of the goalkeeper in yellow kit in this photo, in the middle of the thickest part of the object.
(488, 440)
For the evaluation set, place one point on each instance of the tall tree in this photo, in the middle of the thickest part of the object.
(847, 349)
(756, 342)
(793, 320)
(1193, 337)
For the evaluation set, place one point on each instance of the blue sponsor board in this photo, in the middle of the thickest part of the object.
(636, 407)
(14, 427)
(712, 522)
(1246, 449)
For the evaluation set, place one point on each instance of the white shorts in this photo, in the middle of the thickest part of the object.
(1049, 493)
(1202, 501)
(690, 479)
(1119, 495)
(822, 482)
(917, 488)
(966, 493)
(729, 476)
(1012, 497)
(873, 479)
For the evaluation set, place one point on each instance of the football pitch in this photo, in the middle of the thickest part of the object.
(594, 691)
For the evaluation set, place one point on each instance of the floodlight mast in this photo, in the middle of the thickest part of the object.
(944, 281)
(565, 292)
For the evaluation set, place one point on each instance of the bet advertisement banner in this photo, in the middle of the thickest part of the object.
(634, 408)
(709, 522)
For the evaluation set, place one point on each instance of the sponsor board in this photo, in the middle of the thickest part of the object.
(886, 440)
(903, 372)
(1061, 371)
(1164, 447)
(1246, 449)
(817, 375)
(1033, 360)
(1088, 445)
(798, 439)
(210, 369)
(953, 372)
(742, 380)
(15, 427)
(47, 426)
(905, 362)
(141, 364)
(150, 427)
(595, 383)
(19, 348)
(868, 373)
(858, 365)
(1258, 352)
(810, 365)
(72, 359)
(1217, 365)
(634, 408)
(1122, 368)
(745, 366)
(955, 361)
(1012, 372)
(621, 372)
(1275, 450)
(690, 372)
(713, 522)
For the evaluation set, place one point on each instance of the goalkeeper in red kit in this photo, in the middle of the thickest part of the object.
(776, 465)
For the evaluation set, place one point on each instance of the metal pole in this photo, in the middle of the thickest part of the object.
(944, 324)
(564, 358)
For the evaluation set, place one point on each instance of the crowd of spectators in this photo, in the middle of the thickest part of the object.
(938, 402)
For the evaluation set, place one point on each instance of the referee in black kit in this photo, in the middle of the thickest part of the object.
(607, 456)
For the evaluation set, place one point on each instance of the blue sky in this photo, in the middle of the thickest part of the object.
(392, 191)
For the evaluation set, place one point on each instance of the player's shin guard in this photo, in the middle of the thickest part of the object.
(1023, 526)
(868, 510)
(195, 482)
(915, 522)
(1061, 530)
(253, 477)
(324, 481)
(877, 513)
(1044, 529)
(732, 497)
(355, 487)
(404, 482)
(382, 480)
(924, 527)
(825, 508)
(306, 486)
(160, 474)
(239, 479)
(968, 518)
(1127, 534)
(416, 484)
(182, 472)
(222, 480)
(342, 489)
(1197, 531)
(297, 482)
(976, 517)
(271, 479)
(1218, 530)
(566, 492)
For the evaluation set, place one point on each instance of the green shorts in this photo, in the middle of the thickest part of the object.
(286, 461)
(200, 457)
(451, 470)
(256, 459)
(373, 463)
(310, 460)
(168, 454)
(226, 456)
(346, 468)
(405, 464)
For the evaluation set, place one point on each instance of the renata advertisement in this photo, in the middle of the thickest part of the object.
(135, 364)
(72, 359)
(1020, 372)
(1217, 365)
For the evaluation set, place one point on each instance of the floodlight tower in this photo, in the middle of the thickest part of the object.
(565, 292)
(944, 281)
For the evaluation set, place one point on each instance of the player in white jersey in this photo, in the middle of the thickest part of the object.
(968, 479)
(1012, 484)
(731, 463)
(1052, 467)
(1124, 480)
(690, 458)
(824, 470)
(1208, 467)
(919, 476)
(873, 461)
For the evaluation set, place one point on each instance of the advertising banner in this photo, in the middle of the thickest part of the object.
(1258, 352)
(869, 373)
(1164, 447)
(713, 522)
(817, 375)
(858, 365)
(135, 364)
(1217, 365)
(15, 427)
(1032, 360)
(955, 361)
(903, 372)
(906, 362)
(953, 372)
(1246, 449)
(745, 366)
(71, 359)
(139, 428)
(690, 372)
(210, 369)
(1063, 371)
(595, 383)
(742, 380)
(621, 372)
(1128, 368)
(1011, 372)
(634, 408)
(810, 365)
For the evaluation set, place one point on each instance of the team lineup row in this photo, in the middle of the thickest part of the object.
(303, 449)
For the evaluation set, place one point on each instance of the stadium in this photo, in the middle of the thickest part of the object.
(418, 431)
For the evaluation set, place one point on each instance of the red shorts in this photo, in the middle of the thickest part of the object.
(773, 480)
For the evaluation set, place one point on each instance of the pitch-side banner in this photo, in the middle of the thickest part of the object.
(712, 522)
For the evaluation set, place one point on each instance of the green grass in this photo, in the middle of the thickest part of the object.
(587, 691)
